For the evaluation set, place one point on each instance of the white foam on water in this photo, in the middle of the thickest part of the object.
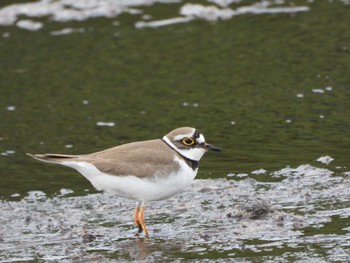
(160, 23)
(305, 169)
(65, 191)
(8, 152)
(318, 91)
(209, 13)
(102, 123)
(72, 10)
(224, 3)
(34, 196)
(66, 31)
(213, 13)
(241, 175)
(29, 25)
(259, 171)
(11, 108)
(325, 159)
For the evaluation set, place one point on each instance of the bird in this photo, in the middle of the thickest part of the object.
(144, 171)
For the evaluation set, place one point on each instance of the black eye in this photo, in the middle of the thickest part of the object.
(188, 141)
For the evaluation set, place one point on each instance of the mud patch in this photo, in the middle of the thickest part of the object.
(303, 216)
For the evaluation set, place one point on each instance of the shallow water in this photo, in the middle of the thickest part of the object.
(304, 215)
(270, 88)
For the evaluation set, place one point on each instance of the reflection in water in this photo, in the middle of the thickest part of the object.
(133, 248)
(149, 249)
(141, 249)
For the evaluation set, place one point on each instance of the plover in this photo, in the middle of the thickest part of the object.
(144, 171)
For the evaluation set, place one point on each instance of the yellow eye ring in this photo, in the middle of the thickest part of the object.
(188, 141)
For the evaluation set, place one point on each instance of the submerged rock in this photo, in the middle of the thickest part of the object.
(252, 210)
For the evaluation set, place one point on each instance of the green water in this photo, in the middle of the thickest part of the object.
(236, 81)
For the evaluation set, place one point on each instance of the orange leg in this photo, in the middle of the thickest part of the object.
(142, 220)
(137, 219)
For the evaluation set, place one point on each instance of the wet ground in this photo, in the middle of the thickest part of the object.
(302, 215)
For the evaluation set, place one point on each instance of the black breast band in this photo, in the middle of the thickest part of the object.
(191, 163)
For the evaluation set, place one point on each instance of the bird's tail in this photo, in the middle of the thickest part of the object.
(53, 158)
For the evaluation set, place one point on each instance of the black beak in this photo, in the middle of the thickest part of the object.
(213, 148)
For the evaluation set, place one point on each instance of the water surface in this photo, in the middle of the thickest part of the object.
(272, 90)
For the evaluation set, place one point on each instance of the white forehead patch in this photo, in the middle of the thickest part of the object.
(181, 136)
(199, 140)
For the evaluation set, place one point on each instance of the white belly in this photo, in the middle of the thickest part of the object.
(140, 189)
